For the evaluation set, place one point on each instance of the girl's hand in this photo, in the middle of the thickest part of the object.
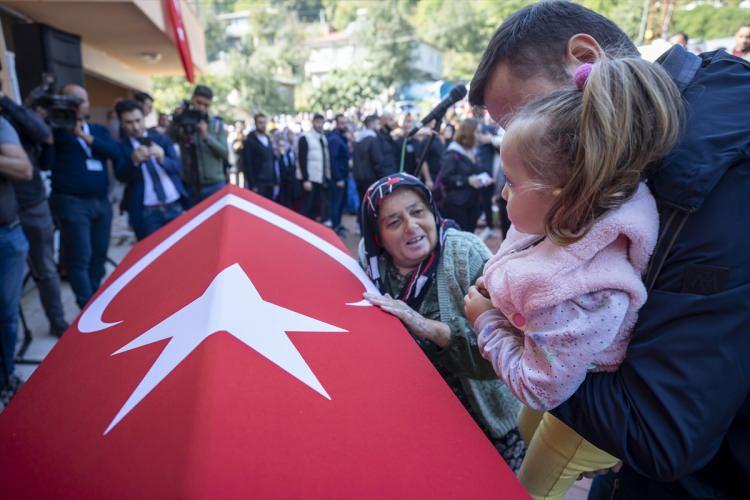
(475, 303)
(418, 325)
(481, 287)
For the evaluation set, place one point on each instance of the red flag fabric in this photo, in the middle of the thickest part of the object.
(180, 37)
(230, 356)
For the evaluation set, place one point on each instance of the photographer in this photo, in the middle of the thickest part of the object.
(14, 166)
(151, 171)
(203, 146)
(34, 212)
(80, 183)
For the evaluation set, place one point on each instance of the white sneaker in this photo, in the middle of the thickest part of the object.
(328, 223)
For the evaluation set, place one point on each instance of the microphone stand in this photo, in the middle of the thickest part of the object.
(426, 149)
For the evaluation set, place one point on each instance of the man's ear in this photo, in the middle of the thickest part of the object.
(580, 49)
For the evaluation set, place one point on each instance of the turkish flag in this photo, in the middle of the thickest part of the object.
(229, 356)
(180, 38)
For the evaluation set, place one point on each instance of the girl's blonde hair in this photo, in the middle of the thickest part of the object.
(595, 144)
(466, 133)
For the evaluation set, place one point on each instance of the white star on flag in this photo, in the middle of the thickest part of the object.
(231, 303)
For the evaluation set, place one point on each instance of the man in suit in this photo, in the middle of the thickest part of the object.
(150, 168)
(80, 183)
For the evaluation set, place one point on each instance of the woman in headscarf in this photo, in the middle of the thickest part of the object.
(423, 265)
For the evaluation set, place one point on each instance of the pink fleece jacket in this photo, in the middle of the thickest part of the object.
(525, 280)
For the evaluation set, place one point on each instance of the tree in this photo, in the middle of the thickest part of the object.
(389, 41)
(343, 89)
(461, 30)
(707, 22)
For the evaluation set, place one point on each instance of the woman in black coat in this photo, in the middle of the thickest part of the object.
(459, 179)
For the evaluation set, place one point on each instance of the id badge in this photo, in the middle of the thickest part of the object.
(94, 165)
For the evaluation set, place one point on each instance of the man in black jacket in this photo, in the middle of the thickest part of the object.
(388, 145)
(367, 161)
(677, 411)
(257, 160)
(35, 215)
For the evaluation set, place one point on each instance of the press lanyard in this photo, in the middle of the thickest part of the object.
(86, 148)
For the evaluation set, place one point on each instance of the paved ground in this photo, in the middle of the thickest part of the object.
(122, 241)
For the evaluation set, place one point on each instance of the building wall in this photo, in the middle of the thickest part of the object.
(102, 95)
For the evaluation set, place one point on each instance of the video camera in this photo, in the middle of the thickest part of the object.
(61, 110)
(187, 120)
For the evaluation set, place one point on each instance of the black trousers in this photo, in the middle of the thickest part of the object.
(504, 220)
(485, 203)
(464, 215)
(265, 190)
(312, 201)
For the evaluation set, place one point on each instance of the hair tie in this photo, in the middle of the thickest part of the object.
(581, 75)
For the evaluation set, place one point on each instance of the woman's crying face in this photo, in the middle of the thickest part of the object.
(406, 226)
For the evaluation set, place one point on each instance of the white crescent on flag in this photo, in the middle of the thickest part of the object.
(91, 320)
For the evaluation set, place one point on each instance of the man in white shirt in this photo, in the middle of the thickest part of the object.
(148, 164)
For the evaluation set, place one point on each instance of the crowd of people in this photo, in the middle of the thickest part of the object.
(615, 311)
(324, 170)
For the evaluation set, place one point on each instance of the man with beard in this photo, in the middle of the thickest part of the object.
(668, 412)
(257, 160)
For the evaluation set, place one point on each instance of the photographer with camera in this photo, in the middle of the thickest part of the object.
(203, 145)
(150, 168)
(14, 166)
(34, 212)
(80, 183)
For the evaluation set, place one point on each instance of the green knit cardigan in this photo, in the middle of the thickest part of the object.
(461, 263)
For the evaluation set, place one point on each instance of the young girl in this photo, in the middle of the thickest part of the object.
(566, 283)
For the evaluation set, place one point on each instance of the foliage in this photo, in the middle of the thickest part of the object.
(389, 30)
(627, 14)
(343, 89)
(461, 30)
(389, 41)
(707, 22)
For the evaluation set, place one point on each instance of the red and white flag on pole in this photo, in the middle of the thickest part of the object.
(229, 356)
(180, 38)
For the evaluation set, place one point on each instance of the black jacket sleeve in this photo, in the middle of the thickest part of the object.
(29, 124)
(302, 156)
(453, 175)
(247, 165)
(376, 158)
(683, 389)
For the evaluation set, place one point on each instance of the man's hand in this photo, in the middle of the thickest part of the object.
(341, 184)
(157, 152)
(475, 182)
(592, 474)
(307, 186)
(202, 129)
(140, 154)
(475, 304)
(78, 131)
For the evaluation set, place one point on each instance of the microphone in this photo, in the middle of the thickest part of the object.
(456, 94)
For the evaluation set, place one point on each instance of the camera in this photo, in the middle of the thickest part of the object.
(187, 120)
(61, 110)
(145, 141)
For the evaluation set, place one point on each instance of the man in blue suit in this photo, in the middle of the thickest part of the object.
(80, 183)
(150, 168)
